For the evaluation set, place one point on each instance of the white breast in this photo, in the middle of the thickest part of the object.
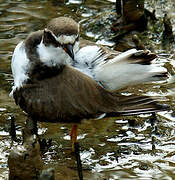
(20, 66)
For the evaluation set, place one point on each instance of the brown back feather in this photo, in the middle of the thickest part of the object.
(71, 96)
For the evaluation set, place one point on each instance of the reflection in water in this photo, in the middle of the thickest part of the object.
(119, 148)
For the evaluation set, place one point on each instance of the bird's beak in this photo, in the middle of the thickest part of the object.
(69, 50)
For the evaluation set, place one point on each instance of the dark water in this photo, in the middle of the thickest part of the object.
(118, 148)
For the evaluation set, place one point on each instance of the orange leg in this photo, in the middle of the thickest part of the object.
(73, 135)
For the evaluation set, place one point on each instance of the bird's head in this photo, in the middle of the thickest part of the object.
(60, 38)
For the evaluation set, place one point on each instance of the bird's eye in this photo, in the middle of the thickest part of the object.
(77, 38)
(56, 44)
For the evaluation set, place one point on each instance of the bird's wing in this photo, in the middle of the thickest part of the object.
(115, 70)
(71, 96)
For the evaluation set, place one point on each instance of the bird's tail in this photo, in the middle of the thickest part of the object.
(134, 105)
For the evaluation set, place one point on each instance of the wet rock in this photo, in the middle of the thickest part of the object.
(100, 26)
(48, 174)
(138, 42)
(168, 32)
(143, 166)
(44, 145)
(130, 6)
(31, 129)
(133, 16)
(24, 161)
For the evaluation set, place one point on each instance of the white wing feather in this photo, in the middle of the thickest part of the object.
(118, 72)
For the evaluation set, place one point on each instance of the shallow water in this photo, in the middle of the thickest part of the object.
(117, 148)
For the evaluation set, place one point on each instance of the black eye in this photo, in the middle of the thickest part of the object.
(56, 44)
(77, 38)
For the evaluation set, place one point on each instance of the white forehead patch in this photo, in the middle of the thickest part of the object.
(64, 39)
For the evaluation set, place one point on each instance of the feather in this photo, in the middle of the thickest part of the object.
(74, 97)
(114, 70)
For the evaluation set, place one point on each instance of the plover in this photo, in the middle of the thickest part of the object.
(48, 88)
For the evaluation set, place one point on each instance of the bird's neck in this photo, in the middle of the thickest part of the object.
(51, 56)
(44, 62)
(41, 71)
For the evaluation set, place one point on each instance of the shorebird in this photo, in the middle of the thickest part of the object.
(48, 88)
